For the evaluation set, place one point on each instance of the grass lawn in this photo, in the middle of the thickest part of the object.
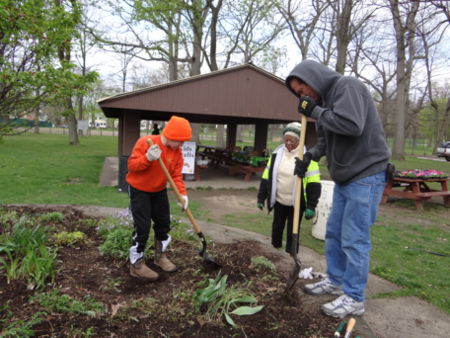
(44, 168)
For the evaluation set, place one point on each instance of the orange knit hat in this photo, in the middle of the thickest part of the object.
(177, 129)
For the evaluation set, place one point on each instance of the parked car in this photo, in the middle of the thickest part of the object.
(443, 150)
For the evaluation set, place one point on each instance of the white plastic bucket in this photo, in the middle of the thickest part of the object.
(323, 209)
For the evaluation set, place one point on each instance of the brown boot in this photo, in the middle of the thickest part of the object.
(142, 271)
(164, 263)
(161, 258)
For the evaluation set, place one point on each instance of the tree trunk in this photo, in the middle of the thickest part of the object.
(72, 123)
(404, 34)
(343, 34)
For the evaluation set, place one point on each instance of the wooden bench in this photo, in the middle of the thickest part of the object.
(416, 189)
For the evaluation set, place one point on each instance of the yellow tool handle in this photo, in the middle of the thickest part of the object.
(298, 181)
(175, 189)
(350, 326)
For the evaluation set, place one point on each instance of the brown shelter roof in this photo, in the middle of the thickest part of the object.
(244, 94)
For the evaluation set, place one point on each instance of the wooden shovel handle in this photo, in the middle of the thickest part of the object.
(175, 189)
(298, 181)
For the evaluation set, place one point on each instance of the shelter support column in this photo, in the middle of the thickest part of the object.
(260, 142)
(231, 135)
(129, 133)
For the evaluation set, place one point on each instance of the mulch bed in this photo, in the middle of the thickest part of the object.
(164, 308)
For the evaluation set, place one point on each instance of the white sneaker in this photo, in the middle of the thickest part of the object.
(343, 306)
(325, 286)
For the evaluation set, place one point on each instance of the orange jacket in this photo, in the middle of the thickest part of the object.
(148, 175)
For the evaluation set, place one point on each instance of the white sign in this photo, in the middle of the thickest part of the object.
(83, 125)
(189, 157)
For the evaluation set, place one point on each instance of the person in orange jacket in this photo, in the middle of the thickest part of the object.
(148, 193)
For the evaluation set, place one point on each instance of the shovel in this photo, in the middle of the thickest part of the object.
(293, 275)
(207, 260)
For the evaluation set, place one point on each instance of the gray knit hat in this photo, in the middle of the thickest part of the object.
(293, 129)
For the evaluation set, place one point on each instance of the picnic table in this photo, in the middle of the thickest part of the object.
(215, 154)
(236, 164)
(416, 189)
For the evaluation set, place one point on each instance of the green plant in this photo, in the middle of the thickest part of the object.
(7, 220)
(38, 266)
(75, 238)
(56, 302)
(75, 332)
(27, 255)
(224, 302)
(18, 328)
(51, 217)
(261, 263)
(117, 242)
(11, 267)
(24, 237)
(111, 285)
(90, 222)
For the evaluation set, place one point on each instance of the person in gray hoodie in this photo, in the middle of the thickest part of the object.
(350, 134)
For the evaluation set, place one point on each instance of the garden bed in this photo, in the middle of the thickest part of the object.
(94, 295)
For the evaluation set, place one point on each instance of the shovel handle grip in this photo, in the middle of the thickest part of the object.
(298, 181)
(175, 189)
(349, 328)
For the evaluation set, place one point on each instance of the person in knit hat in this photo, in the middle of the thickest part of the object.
(277, 187)
(148, 194)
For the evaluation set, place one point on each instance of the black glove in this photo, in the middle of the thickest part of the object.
(306, 105)
(260, 205)
(302, 166)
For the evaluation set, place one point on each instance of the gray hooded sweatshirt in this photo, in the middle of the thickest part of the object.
(348, 126)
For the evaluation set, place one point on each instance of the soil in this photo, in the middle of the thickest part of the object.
(163, 308)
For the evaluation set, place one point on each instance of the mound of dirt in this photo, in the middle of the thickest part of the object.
(164, 308)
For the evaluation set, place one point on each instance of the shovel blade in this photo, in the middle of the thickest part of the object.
(209, 261)
(293, 275)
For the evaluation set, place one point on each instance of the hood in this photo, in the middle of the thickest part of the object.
(316, 75)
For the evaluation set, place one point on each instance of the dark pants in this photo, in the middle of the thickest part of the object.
(283, 213)
(146, 207)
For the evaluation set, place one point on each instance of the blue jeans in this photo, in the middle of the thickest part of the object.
(347, 239)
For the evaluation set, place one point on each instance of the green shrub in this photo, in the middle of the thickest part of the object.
(27, 256)
(20, 328)
(261, 263)
(75, 238)
(7, 220)
(51, 217)
(54, 301)
(117, 242)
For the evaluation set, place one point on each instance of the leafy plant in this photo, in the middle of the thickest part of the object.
(51, 217)
(18, 328)
(56, 302)
(224, 302)
(117, 242)
(27, 255)
(11, 267)
(261, 262)
(7, 219)
(75, 238)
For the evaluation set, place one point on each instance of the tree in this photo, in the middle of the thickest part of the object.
(31, 35)
(405, 26)
(302, 23)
